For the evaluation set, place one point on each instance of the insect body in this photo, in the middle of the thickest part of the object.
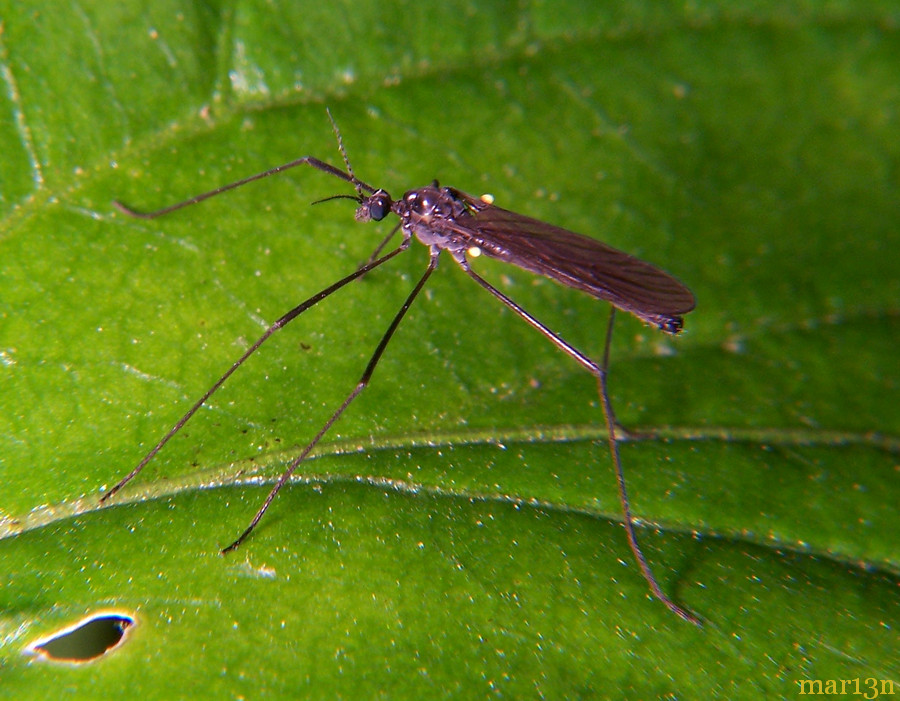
(446, 219)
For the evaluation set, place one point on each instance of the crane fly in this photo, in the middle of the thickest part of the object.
(448, 220)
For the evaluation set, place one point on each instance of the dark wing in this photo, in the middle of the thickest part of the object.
(577, 261)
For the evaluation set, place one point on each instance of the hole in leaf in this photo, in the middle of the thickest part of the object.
(86, 640)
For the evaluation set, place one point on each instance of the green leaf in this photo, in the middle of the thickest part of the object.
(458, 532)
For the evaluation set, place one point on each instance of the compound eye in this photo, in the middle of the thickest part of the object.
(379, 205)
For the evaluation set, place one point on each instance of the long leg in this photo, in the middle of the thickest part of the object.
(280, 323)
(600, 372)
(360, 386)
(306, 160)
